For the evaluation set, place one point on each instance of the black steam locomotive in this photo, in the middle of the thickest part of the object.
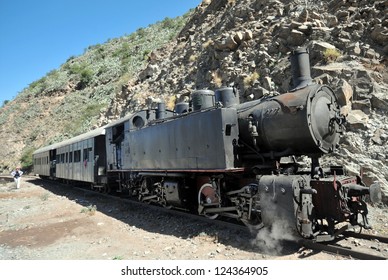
(217, 157)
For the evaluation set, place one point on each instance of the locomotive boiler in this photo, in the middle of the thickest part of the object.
(218, 157)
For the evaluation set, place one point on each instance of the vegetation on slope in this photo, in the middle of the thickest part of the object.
(70, 99)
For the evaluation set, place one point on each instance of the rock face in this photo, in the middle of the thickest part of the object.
(228, 42)
(247, 43)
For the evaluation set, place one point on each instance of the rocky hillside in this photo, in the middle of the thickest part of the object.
(245, 43)
(69, 100)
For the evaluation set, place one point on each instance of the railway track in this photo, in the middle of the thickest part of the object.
(120, 198)
(331, 247)
(167, 210)
(338, 249)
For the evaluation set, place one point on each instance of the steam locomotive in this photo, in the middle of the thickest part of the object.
(217, 157)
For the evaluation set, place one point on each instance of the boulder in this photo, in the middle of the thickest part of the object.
(238, 37)
(148, 72)
(356, 119)
(379, 101)
(344, 92)
(363, 105)
(268, 83)
(296, 38)
(377, 139)
(248, 35)
(380, 34)
(227, 44)
(317, 48)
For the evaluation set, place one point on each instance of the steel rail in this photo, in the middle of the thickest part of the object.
(382, 239)
(167, 210)
(177, 212)
(336, 249)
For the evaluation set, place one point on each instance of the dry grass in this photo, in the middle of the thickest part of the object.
(251, 79)
(217, 78)
(331, 55)
(208, 43)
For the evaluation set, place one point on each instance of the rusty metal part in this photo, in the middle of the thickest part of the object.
(208, 198)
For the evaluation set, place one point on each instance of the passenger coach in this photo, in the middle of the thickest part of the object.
(82, 158)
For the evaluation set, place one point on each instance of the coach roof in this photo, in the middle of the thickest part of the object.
(79, 138)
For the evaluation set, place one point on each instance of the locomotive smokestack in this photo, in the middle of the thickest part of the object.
(300, 67)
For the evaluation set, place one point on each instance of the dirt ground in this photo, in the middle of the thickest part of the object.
(48, 221)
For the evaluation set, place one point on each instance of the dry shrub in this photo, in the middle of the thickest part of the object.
(331, 55)
(251, 79)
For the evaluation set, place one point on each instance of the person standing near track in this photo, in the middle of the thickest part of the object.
(17, 174)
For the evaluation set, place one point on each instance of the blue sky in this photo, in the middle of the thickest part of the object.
(38, 36)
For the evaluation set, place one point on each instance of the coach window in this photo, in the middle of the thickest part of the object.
(86, 155)
(90, 156)
(71, 157)
(77, 156)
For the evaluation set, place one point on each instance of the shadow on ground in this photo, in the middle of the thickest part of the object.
(152, 220)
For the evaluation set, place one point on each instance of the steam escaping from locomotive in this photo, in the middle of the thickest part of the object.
(270, 240)
(220, 158)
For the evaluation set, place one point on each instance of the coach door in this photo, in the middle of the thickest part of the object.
(99, 158)
(53, 156)
(68, 172)
(71, 160)
(118, 137)
(87, 161)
